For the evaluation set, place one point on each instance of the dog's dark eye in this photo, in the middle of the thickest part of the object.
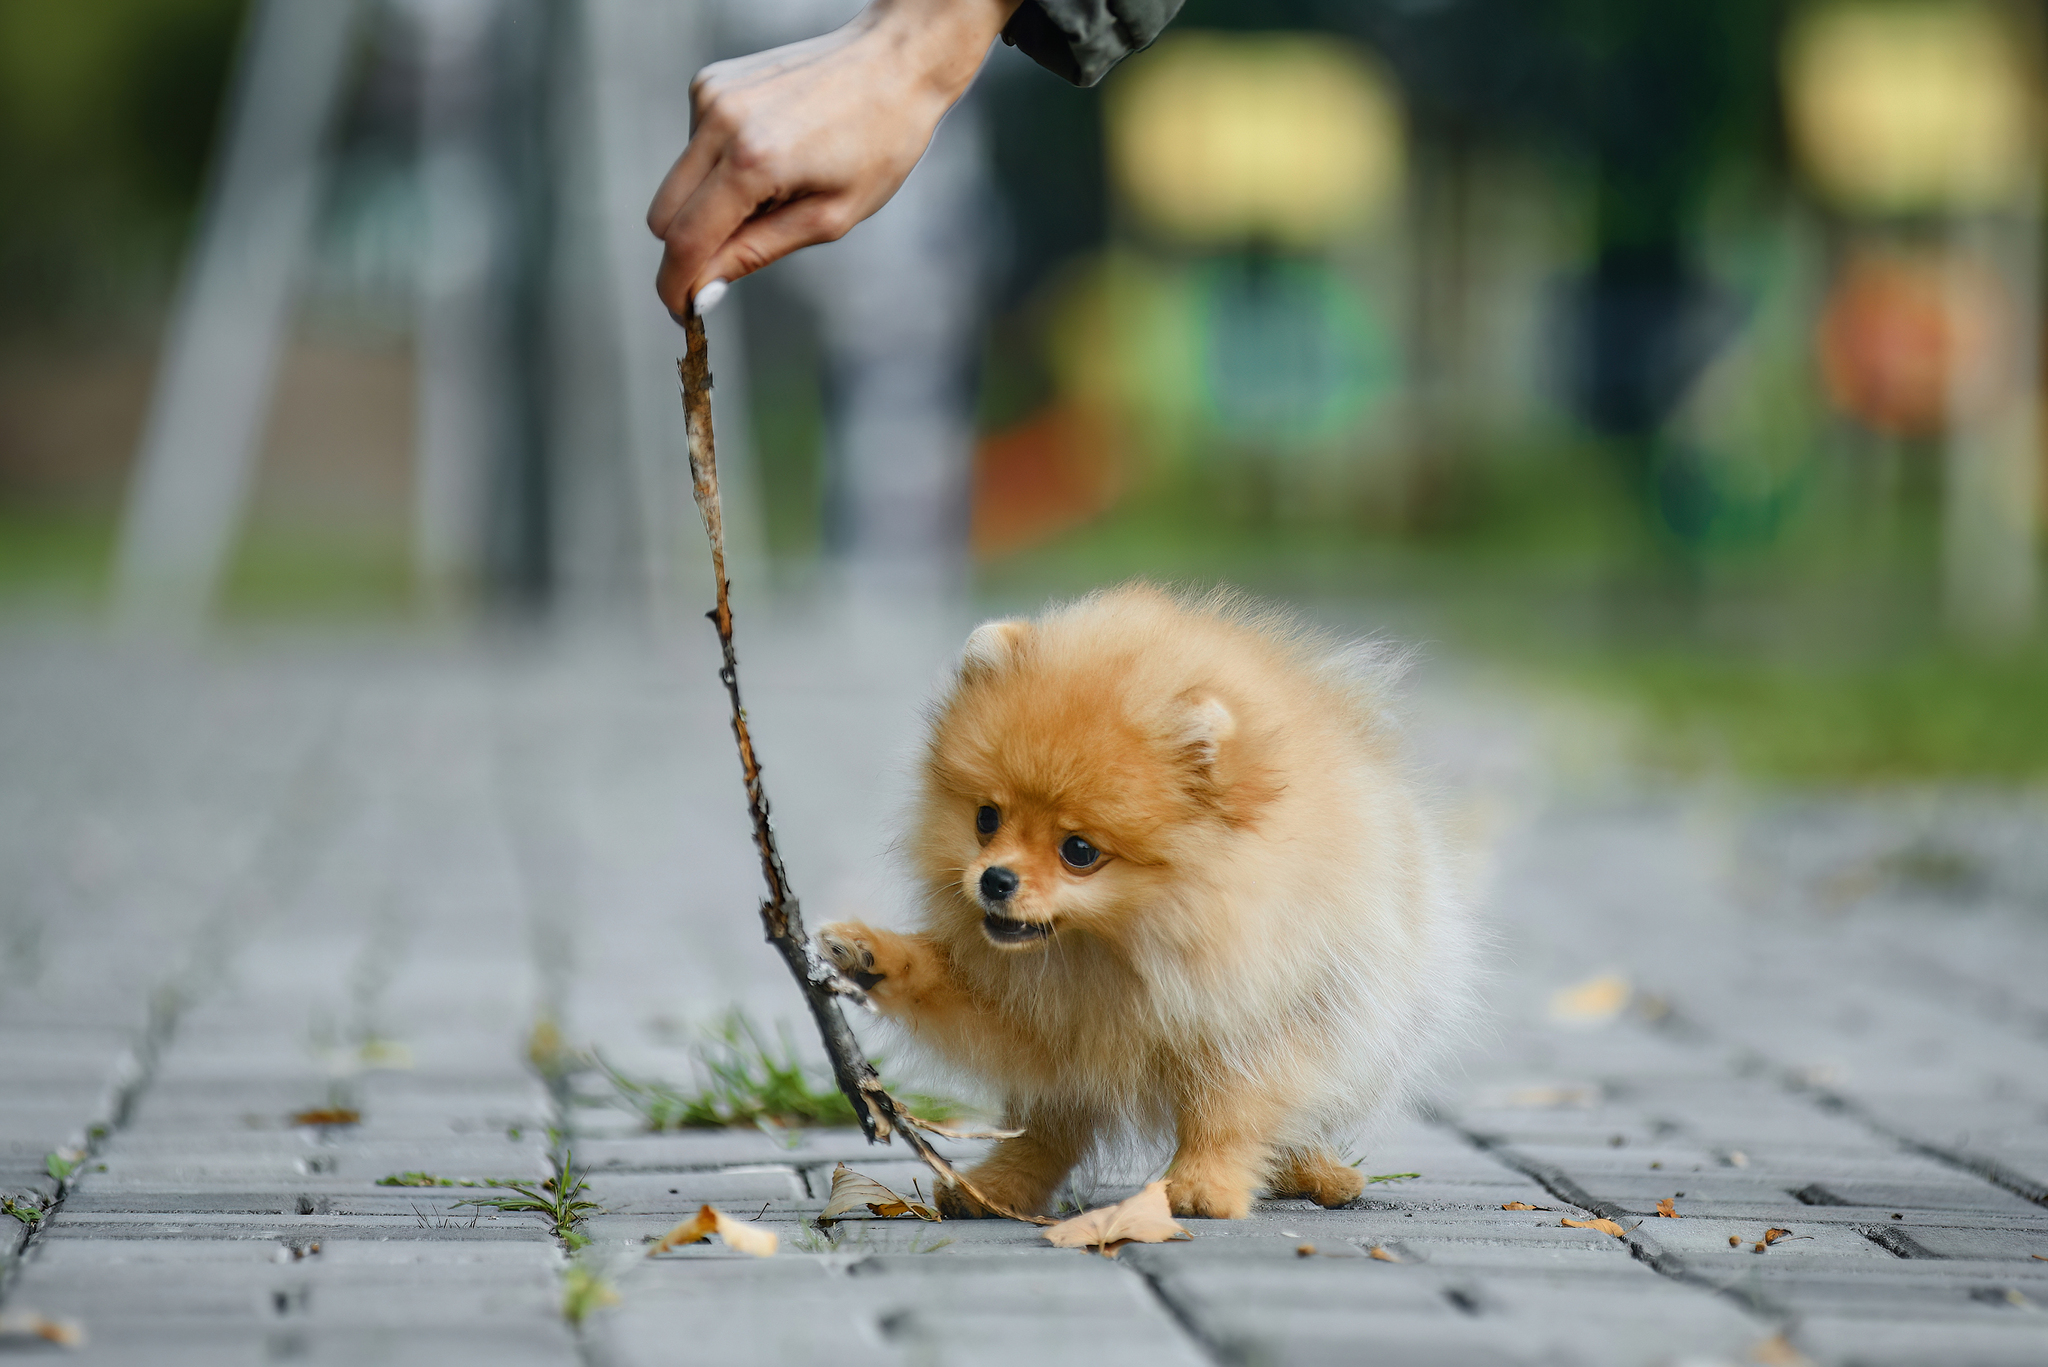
(986, 819)
(1078, 853)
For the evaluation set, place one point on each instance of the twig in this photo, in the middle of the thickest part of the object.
(881, 1115)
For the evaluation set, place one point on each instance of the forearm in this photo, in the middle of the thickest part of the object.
(940, 43)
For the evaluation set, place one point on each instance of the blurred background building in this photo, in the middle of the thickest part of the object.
(1687, 353)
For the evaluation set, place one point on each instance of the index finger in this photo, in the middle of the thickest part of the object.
(704, 222)
(682, 181)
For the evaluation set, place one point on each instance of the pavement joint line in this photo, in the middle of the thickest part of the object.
(1749, 1061)
(281, 859)
(1978, 1165)
(1896, 1242)
(1661, 1261)
(1180, 1314)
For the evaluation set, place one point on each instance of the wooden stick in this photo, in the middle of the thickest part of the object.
(881, 1115)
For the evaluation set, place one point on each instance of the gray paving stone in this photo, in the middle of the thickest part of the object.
(680, 1193)
(433, 849)
(523, 1345)
(2012, 1343)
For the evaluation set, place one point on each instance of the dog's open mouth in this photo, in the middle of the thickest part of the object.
(1006, 931)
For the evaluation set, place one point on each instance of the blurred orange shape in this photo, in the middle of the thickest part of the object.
(1899, 334)
(1045, 476)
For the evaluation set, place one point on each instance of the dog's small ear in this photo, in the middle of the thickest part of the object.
(1205, 729)
(991, 648)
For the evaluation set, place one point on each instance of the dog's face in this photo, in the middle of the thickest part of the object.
(1057, 798)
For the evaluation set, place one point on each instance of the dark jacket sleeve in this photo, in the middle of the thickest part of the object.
(1082, 39)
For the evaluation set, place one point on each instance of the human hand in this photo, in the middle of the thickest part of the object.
(798, 144)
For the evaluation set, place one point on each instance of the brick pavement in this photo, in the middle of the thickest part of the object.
(292, 876)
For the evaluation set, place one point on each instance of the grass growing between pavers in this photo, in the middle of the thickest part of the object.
(743, 1079)
(29, 1213)
(561, 1199)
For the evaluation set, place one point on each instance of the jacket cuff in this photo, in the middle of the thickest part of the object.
(1080, 40)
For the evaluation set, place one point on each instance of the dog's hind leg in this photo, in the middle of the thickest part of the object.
(1314, 1173)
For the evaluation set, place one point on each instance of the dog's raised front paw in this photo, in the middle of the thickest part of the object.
(850, 947)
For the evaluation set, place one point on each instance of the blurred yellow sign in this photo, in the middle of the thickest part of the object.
(1285, 138)
(1897, 108)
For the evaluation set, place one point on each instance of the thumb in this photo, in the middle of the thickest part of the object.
(761, 241)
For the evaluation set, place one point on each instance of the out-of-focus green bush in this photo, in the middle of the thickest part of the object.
(107, 111)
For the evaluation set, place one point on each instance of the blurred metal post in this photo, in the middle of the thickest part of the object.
(1991, 499)
(642, 54)
(213, 389)
(461, 416)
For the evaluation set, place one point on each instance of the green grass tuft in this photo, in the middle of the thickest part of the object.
(744, 1080)
(559, 1199)
(584, 1289)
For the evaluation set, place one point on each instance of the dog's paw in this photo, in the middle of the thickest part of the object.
(850, 947)
(956, 1204)
(1008, 1190)
(1209, 1198)
(1320, 1178)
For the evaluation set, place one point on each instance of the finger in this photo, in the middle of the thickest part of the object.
(770, 237)
(682, 181)
(721, 204)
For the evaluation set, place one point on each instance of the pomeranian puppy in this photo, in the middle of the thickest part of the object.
(1177, 883)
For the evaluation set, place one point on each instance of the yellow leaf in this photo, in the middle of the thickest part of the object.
(1305, 1251)
(1666, 1209)
(1593, 1001)
(852, 1190)
(1772, 1236)
(22, 1324)
(1775, 1352)
(1142, 1219)
(1604, 1226)
(1380, 1253)
(738, 1235)
(1522, 1205)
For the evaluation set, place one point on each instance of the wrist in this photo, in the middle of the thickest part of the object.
(940, 43)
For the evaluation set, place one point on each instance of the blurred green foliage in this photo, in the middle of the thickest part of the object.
(1914, 715)
(107, 111)
(1816, 660)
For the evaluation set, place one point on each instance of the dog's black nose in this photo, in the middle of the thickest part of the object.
(997, 884)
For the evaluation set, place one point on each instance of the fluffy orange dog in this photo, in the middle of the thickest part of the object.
(1177, 882)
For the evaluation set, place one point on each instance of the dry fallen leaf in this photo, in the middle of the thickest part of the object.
(1377, 1252)
(328, 1115)
(1305, 1251)
(1772, 1236)
(852, 1190)
(738, 1234)
(1604, 1226)
(1775, 1352)
(1666, 1209)
(1522, 1205)
(1553, 1097)
(1142, 1219)
(28, 1324)
(1593, 1001)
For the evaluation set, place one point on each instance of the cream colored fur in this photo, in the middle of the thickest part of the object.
(1270, 949)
